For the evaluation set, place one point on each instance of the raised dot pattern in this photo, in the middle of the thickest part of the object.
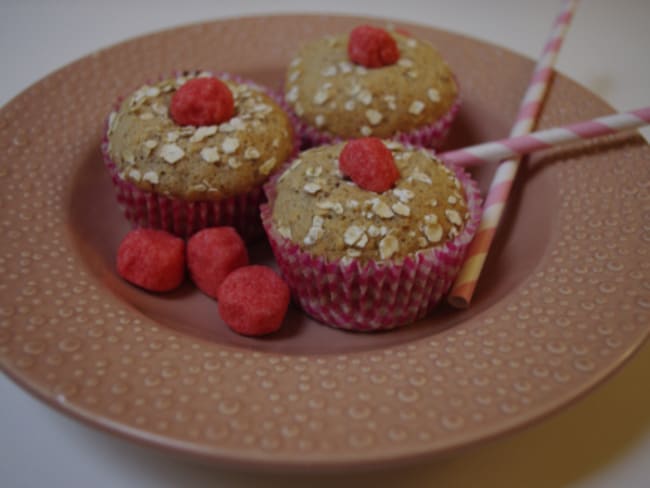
(564, 328)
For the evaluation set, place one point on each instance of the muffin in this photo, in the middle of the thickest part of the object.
(362, 260)
(187, 174)
(412, 98)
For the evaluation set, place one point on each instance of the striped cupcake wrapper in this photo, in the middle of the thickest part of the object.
(431, 135)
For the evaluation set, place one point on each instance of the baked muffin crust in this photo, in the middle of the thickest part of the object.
(334, 95)
(198, 163)
(328, 215)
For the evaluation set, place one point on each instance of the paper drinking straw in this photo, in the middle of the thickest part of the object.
(462, 291)
(463, 288)
(488, 152)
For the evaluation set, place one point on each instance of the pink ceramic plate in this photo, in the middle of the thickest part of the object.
(562, 304)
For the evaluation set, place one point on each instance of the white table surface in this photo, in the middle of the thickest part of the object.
(601, 441)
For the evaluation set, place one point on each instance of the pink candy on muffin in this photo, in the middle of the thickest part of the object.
(369, 163)
(372, 47)
(202, 101)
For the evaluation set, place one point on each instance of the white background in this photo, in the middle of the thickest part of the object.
(601, 441)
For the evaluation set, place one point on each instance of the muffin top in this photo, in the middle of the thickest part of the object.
(335, 95)
(326, 214)
(209, 162)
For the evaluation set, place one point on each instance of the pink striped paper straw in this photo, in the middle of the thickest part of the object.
(489, 152)
(463, 289)
(465, 284)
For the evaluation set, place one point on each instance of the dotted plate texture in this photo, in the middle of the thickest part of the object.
(564, 300)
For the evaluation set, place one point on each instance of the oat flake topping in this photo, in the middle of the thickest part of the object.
(174, 157)
(333, 216)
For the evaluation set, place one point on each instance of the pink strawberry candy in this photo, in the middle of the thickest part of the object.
(253, 300)
(152, 259)
(372, 47)
(369, 163)
(202, 101)
(212, 254)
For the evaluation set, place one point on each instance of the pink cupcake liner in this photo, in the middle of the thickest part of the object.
(372, 296)
(431, 135)
(183, 217)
